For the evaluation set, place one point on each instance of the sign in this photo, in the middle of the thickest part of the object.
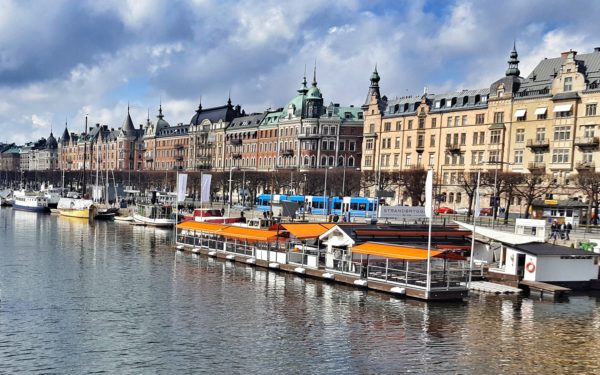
(402, 212)
(181, 187)
(385, 194)
(550, 201)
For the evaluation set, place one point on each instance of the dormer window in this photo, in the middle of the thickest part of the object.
(568, 84)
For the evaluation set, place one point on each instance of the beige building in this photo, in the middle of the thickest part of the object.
(544, 123)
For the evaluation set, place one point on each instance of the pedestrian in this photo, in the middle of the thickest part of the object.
(553, 230)
(561, 230)
(569, 228)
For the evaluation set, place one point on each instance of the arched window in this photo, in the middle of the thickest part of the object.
(313, 161)
(351, 161)
(451, 198)
(340, 162)
(331, 161)
(306, 160)
(458, 197)
(323, 161)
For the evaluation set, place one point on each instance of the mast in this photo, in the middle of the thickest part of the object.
(84, 153)
(96, 190)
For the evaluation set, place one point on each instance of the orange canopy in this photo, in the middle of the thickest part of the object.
(307, 231)
(201, 226)
(248, 233)
(395, 251)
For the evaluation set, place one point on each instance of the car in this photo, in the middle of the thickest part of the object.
(444, 210)
(486, 211)
(462, 211)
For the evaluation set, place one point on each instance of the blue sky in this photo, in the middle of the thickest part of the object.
(65, 59)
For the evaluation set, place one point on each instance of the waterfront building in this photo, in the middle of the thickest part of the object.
(44, 157)
(544, 123)
(10, 158)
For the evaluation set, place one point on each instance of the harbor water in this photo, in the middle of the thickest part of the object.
(113, 298)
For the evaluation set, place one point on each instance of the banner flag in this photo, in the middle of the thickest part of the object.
(181, 187)
(429, 194)
(205, 188)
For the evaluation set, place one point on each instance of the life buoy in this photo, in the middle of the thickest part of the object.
(530, 267)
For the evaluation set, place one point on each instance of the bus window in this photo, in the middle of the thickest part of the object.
(362, 207)
(337, 205)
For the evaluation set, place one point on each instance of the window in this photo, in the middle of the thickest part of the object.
(408, 141)
(568, 84)
(451, 198)
(481, 138)
(475, 138)
(518, 157)
(431, 159)
(448, 139)
(434, 123)
(494, 156)
(520, 136)
(419, 159)
(495, 136)
(461, 158)
(420, 140)
(398, 125)
(538, 157)
(588, 157)
(422, 123)
(560, 155)
(589, 131)
(323, 145)
(397, 142)
(480, 118)
(445, 178)
(541, 113)
(456, 121)
(464, 120)
(410, 122)
(561, 114)
(455, 136)
(396, 159)
(371, 128)
(562, 133)
(408, 160)
(369, 144)
(352, 146)
(498, 117)
(590, 109)
(387, 126)
(463, 139)
(342, 145)
(432, 140)
(540, 134)
(368, 161)
(449, 122)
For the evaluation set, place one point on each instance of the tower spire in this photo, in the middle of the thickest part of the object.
(314, 82)
(513, 62)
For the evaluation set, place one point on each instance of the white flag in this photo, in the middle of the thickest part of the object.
(429, 194)
(181, 187)
(477, 209)
(205, 188)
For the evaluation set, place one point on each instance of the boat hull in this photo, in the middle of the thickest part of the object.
(30, 208)
(165, 223)
(82, 214)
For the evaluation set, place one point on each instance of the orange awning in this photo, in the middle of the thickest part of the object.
(394, 251)
(248, 233)
(201, 226)
(307, 231)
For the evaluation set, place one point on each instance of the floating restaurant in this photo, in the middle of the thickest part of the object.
(388, 258)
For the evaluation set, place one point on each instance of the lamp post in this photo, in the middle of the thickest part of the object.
(229, 194)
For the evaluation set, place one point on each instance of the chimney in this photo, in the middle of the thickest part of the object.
(596, 49)
(564, 55)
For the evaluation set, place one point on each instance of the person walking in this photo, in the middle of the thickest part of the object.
(553, 230)
(561, 230)
(568, 231)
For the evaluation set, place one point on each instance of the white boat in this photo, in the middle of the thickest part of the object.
(158, 215)
(6, 197)
(74, 207)
(53, 195)
(30, 202)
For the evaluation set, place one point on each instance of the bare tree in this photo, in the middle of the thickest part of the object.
(468, 182)
(589, 182)
(534, 186)
(368, 180)
(507, 184)
(413, 182)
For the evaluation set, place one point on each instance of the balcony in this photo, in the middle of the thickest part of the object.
(236, 156)
(587, 142)
(538, 144)
(537, 167)
(179, 158)
(179, 146)
(149, 158)
(453, 148)
(235, 142)
(309, 136)
(203, 166)
(421, 147)
(287, 152)
(585, 166)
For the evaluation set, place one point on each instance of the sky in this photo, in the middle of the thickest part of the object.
(65, 59)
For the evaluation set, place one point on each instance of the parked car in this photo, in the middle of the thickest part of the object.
(444, 210)
(486, 211)
(462, 211)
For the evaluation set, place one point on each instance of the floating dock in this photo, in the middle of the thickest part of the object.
(488, 287)
(545, 289)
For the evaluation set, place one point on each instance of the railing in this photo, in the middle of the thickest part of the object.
(453, 147)
(179, 146)
(538, 143)
(587, 141)
(236, 156)
(235, 142)
(287, 152)
(526, 93)
(308, 135)
(585, 165)
(536, 166)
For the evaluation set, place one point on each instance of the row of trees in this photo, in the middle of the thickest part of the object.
(339, 181)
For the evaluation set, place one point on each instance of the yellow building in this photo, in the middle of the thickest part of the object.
(544, 123)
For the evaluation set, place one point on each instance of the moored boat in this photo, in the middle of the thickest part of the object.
(158, 215)
(212, 215)
(30, 202)
(80, 208)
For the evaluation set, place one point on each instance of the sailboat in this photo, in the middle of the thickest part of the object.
(103, 210)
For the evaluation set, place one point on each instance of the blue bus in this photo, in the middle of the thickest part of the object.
(319, 205)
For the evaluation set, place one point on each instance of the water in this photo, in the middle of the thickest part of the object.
(113, 298)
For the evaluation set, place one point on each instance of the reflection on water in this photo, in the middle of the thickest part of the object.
(111, 297)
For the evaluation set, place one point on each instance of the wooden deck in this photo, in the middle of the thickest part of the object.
(545, 289)
(488, 287)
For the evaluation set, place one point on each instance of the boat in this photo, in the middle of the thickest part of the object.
(212, 215)
(53, 195)
(155, 214)
(30, 202)
(124, 218)
(75, 207)
(6, 197)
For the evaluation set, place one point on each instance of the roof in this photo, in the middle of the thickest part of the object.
(552, 250)
(568, 203)
(399, 252)
(501, 236)
(245, 122)
(224, 113)
(307, 231)
(230, 231)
